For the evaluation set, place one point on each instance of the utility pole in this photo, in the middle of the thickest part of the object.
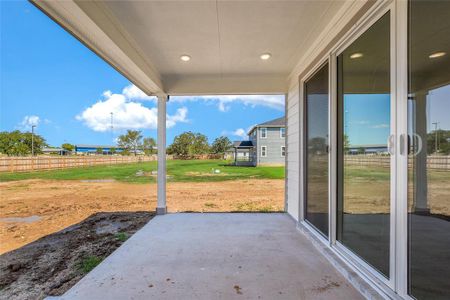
(435, 136)
(112, 126)
(32, 139)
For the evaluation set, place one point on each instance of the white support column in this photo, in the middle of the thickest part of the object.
(161, 207)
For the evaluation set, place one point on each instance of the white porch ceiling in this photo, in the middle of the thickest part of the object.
(144, 40)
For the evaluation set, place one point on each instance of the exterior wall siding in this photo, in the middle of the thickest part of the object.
(293, 151)
(254, 139)
(273, 142)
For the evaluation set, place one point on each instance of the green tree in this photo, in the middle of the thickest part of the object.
(200, 145)
(148, 145)
(221, 145)
(189, 144)
(131, 141)
(346, 143)
(99, 150)
(318, 145)
(68, 147)
(113, 150)
(181, 144)
(438, 139)
(16, 143)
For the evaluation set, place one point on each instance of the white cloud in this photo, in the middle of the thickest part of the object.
(381, 126)
(240, 132)
(179, 116)
(223, 102)
(222, 107)
(359, 122)
(127, 114)
(28, 121)
(132, 92)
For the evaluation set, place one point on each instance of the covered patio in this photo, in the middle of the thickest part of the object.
(182, 48)
(216, 256)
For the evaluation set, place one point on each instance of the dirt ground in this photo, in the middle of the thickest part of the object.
(31, 209)
(54, 263)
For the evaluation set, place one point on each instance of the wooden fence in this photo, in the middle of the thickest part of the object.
(434, 162)
(23, 164)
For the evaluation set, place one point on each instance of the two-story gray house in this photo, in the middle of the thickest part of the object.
(266, 144)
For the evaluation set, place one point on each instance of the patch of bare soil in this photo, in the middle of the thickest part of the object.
(31, 209)
(54, 263)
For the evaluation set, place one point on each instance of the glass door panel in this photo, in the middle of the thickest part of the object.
(316, 137)
(364, 163)
(429, 151)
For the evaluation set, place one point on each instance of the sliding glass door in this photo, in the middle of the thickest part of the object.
(363, 154)
(316, 141)
(429, 151)
(388, 174)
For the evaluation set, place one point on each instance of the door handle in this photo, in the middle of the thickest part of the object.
(391, 144)
(404, 144)
(414, 144)
(419, 144)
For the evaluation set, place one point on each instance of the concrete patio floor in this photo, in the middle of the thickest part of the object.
(216, 256)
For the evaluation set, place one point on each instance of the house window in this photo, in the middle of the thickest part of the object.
(263, 133)
(282, 133)
(263, 151)
(283, 151)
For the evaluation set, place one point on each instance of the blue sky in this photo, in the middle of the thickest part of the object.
(50, 79)
(367, 118)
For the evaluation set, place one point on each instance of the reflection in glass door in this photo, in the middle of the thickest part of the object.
(429, 151)
(364, 163)
(316, 162)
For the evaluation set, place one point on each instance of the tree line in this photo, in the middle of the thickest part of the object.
(187, 144)
(190, 144)
(184, 145)
(17, 143)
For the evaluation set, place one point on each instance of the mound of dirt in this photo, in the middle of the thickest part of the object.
(54, 263)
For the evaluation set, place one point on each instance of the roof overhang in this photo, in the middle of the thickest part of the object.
(144, 40)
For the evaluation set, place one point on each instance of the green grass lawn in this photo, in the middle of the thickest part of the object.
(177, 170)
(375, 173)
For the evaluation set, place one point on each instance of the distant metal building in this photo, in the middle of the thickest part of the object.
(92, 149)
(58, 151)
(368, 149)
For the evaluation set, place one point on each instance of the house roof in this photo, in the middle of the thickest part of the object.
(275, 122)
(242, 144)
(279, 122)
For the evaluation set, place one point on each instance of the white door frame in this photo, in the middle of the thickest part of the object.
(324, 60)
(375, 275)
(399, 162)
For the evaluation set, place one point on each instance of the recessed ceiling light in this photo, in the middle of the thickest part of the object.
(185, 57)
(437, 54)
(265, 56)
(356, 55)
